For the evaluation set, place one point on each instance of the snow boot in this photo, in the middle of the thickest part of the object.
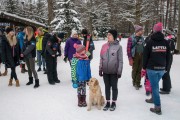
(79, 101)
(113, 106)
(156, 110)
(39, 69)
(36, 83)
(57, 81)
(5, 73)
(30, 81)
(44, 69)
(107, 106)
(83, 97)
(149, 100)
(17, 83)
(10, 82)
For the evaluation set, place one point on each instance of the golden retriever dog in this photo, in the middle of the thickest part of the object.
(95, 94)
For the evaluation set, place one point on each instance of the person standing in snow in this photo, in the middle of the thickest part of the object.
(166, 79)
(29, 54)
(80, 73)
(20, 38)
(52, 51)
(155, 61)
(39, 48)
(69, 47)
(111, 65)
(10, 54)
(88, 42)
(135, 53)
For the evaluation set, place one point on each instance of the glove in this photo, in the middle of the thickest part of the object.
(131, 62)
(65, 59)
(118, 76)
(75, 85)
(100, 73)
(143, 72)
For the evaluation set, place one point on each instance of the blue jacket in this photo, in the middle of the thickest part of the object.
(83, 70)
(20, 38)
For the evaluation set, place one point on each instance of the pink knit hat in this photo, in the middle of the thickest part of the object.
(158, 27)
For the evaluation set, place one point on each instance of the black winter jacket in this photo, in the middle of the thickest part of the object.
(10, 55)
(156, 53)
(30, 48)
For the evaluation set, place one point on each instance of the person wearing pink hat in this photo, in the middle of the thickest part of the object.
(135, 52)
(155, 62)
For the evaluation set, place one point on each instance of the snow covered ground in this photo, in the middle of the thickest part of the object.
(59, 102)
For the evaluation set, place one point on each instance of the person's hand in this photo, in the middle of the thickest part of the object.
(53, 55)
(22, 55)
(143, 72)
(131, 62)
(100, 73)
(65, 59)
(118, 76)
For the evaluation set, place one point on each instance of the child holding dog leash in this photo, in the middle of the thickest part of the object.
(80, 73)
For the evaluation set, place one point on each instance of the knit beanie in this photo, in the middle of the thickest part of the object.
(158, 27)
(73, 32)
(8, 30)
(114, 33)
(79, 48)
(138, 28)
(84, 31)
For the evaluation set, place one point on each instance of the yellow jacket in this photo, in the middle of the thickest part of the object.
(39, 40)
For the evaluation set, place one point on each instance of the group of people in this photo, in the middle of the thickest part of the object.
(152, 57)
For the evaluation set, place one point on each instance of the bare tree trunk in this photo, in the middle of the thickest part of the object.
(178, 42)
(90, 23)
(170, 15)
(138, 12)
(50, 12)
(175, 11)
(167, 13)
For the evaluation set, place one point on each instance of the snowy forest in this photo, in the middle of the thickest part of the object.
(65, 15)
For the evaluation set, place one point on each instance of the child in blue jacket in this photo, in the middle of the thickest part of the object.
(80, 73)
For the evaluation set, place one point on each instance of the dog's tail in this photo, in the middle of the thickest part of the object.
(102, 101)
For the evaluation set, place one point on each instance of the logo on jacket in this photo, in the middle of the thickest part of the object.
(159, 48)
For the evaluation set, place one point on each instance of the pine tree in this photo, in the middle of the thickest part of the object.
(65, 17)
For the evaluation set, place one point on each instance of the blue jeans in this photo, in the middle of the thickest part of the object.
(40, 59)
(155, 77)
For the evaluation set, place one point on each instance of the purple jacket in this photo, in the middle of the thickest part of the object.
(69, 47)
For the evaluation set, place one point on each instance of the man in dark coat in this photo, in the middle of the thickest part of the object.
(52, 51)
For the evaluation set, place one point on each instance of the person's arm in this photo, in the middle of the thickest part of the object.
(3, 50)
(168, 54)
(120, 60)
(146, 54)
(30, 48)
(129, 47)
(66, 48)
(48, 48)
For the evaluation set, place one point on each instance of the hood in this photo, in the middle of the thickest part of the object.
(157, 36)
(116, 42)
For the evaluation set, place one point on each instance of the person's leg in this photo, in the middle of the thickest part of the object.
(14, 75)
(49, 62)
(138, 72)
(107, 83)
(29, 68)
(134, 69)
(39, 60)
(32, 67)
(83, 90)
(114, 84)
(79, 89)
(55, 75)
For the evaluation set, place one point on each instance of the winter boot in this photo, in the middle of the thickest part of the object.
(10, 82)
(84, 104)
(107, 106)
(113, 106)
(79, 101)
(44, 69)
(23, 68)
(30, 81)
(156, 110)
(57, 81)
(149, 100)
(39, 69)
(5, 73)
(17, 83)
(36, 83)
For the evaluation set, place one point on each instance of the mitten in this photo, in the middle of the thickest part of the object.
(118, 76)
(143, 73)
(100, 73)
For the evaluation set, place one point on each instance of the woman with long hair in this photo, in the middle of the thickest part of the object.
(10, 54)
(30, 54)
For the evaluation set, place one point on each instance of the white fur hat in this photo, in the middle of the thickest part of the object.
(73, 32)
